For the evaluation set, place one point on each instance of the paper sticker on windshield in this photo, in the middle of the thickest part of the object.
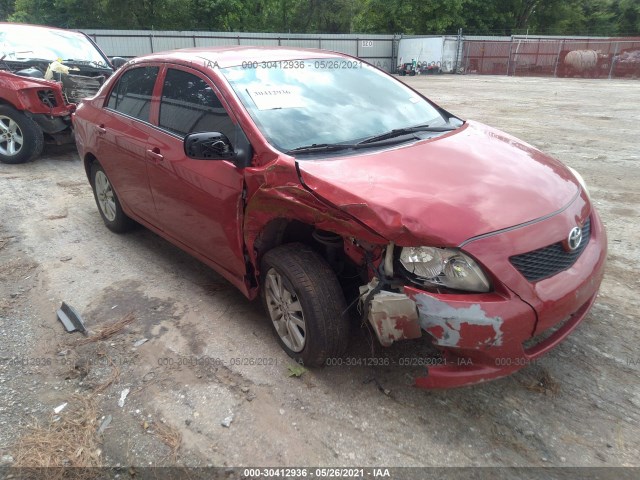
(270, 98)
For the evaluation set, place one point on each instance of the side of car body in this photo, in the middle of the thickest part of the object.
(312, 236)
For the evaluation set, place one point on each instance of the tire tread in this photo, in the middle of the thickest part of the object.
(321, 295)
(32, 134)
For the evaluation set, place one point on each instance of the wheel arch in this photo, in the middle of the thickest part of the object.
(4, 101)
(88, 160)
(337, 249)
(290, 213)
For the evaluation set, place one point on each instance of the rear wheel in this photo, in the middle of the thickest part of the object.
(305, 303)
(108, 204)
(21, 139)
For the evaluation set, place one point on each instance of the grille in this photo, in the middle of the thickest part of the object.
(48, 97)
(548, 261)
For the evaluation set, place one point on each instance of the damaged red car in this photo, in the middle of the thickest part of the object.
(44, 73)
(318, 182)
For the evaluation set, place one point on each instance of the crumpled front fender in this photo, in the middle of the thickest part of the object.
(275, 193)
(22, 94)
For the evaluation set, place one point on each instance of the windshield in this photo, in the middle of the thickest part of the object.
(326, 101)
(22, 42)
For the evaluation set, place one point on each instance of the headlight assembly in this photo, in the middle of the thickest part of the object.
(444, 267)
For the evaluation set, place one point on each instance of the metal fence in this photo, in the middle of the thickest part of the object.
(380, 50)
(519, 56)
(553, 57)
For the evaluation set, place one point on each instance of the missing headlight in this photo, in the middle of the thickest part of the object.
(48, 97)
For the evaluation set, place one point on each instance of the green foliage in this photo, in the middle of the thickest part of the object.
(505, 17)
(6, 9)
(627, 16)
(410, 16)
(578, 17)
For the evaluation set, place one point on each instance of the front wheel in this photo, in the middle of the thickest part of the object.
(21, 139)
(306, 304)
(108, 204)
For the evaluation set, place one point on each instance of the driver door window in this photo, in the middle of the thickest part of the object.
(189, 105)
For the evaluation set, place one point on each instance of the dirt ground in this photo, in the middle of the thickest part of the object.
(210, 357)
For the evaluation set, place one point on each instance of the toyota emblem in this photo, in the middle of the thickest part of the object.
(575, 238)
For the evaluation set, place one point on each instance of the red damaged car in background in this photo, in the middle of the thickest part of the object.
(44, 73)
(317, 182)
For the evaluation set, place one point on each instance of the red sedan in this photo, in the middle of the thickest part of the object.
(319, 182)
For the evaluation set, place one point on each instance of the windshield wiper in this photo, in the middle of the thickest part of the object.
(321, 147)
(398, 132)
(368, 142)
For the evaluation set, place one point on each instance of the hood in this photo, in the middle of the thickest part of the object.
(445, 190)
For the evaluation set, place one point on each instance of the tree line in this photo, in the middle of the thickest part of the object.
(480, 17)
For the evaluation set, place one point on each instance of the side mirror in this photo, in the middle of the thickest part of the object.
(208, 146)
(117, 62)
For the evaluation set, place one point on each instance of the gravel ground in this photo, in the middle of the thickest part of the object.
(579, 406)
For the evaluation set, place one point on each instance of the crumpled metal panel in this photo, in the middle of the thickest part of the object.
(393, 316)
(275, 192)
(77, 87)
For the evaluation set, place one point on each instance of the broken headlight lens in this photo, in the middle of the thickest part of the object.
(444, 267)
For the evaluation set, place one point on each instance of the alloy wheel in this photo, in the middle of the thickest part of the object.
(104, 194)
(11, 138)
(285, 311)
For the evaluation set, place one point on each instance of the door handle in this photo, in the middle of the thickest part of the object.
(101, 130)
(155, 155)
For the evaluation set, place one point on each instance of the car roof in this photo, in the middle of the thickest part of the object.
(223, 57)
(42, 27)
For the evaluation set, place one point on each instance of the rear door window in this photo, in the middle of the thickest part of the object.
(190, 105)
(132, 94)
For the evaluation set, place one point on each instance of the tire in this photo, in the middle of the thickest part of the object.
(21, 139)
(305, 303)
(108, 204)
